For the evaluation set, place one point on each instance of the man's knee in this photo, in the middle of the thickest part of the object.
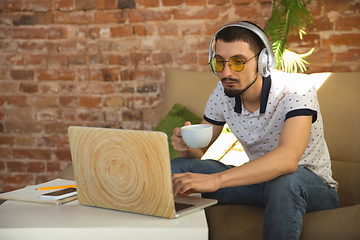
(290, 186)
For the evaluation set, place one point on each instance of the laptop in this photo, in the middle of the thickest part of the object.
(127, 170)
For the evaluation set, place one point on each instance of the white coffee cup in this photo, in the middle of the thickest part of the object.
(197, 135)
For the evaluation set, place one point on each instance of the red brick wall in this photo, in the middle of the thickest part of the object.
(102, 63)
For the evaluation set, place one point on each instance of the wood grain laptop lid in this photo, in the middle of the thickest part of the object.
(125, 170)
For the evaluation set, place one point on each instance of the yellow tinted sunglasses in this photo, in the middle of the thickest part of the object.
(217, 63)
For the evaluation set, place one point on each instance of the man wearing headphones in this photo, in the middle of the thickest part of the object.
(280, 127)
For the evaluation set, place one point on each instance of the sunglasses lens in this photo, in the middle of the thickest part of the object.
(236, 63)
(217, 64)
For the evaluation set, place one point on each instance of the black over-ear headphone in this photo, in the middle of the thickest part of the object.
(267, 60)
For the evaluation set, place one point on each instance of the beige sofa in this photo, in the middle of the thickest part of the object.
(339, 97)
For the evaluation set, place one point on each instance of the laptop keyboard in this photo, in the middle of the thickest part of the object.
(182, 206)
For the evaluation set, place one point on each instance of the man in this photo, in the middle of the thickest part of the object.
(280, 128)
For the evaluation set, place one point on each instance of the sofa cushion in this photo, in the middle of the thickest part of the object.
(176, 117)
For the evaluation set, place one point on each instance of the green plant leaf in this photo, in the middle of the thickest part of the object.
(287, 16)
(291, 61)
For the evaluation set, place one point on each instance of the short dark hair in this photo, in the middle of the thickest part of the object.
(235, 33)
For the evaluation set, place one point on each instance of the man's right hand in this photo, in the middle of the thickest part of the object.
(177, 141)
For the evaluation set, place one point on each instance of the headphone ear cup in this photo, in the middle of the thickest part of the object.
(263, 63)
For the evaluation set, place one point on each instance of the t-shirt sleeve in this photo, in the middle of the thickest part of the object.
(301, 102)
(213, 110)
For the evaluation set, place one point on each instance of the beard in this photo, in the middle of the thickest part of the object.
(235, 92)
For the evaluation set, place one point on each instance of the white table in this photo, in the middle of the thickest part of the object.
(21, 220)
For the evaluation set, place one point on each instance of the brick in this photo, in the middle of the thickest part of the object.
(106, 4)
(208, 13)
(49, 88)
(38, 33)
(94, 32)
(348, 23)
(2, 100)
(114, 102)
(35, 19)
(151, 3)
(344, 39)
(309, 40)
(110, 74)
(162, 58)
(141, 58)
(191, 30)
(5, 153)
(89, 115)
(221, 2)
(22, 74)
(4, 33)
(89, 101)
(35, 167)
(134, 115)
(28, 87)
(15, 59)
(78, 32)
(17, 100)
(8, 87)
(57, 33)
(38, 46)
(54, 141)
(85, 5)
(46, 75)
(63, 154)
(6, 140)
(145, 75)
(111, 17)
(56, 127)
(42, 6)
(16, 6)
(351, 55)
(53, 166)
(64, 5)
(73, 17)
(40, 154)
(124, 4)
(20, 114)
(23, 127)
(7, 46)
(146, 102)
(21, 179)
(321, 24)
(195, 2)
(19, 33)
(48, 114)
(69, 101)
(122, 31)
(102, 88)
(122, 60)
(76, 59)
(25, 140)
(149, 15)
(72, 46)
(97, 59)
(2, 166)
(56, 60)
(43, 101)
(144, 30)
(16, 166)
(167, 29)
(35, 59)
(147, 88)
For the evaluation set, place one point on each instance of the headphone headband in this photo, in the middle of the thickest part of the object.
(267, 60)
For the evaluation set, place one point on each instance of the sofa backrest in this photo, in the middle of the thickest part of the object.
(190, 89)
(339, 97)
